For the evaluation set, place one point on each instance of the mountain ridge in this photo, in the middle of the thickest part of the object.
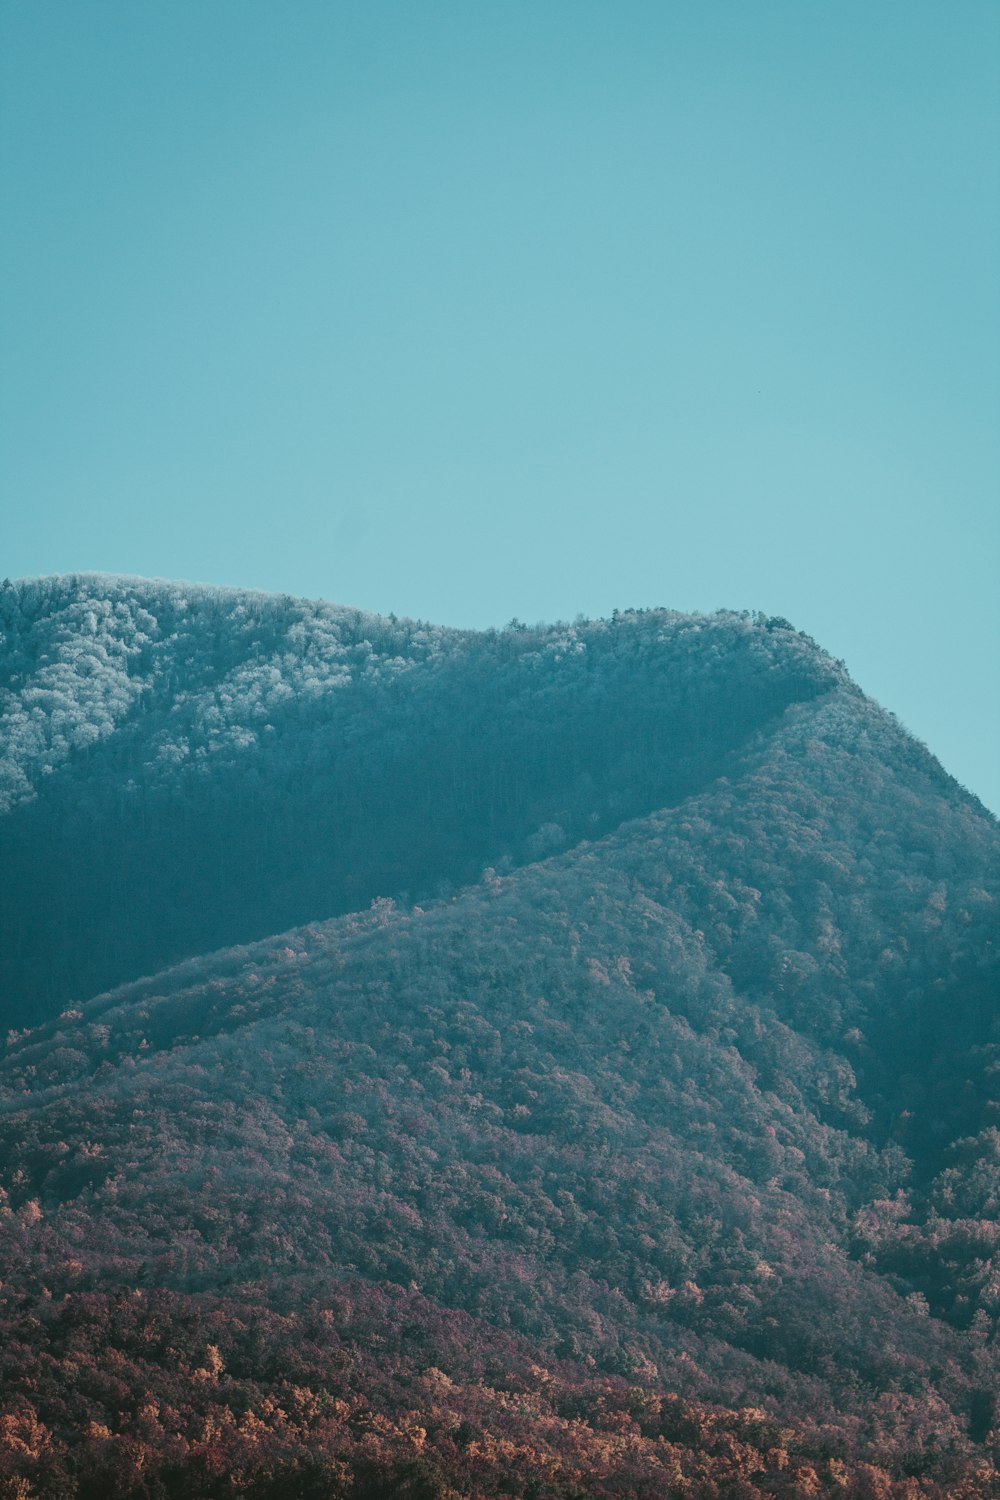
(290, 717)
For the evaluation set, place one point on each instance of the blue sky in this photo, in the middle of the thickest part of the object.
(534, 308)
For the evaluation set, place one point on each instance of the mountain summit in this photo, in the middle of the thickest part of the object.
(570, 1067)
(223, 765)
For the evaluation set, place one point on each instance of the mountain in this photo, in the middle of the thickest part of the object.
(570, 1065)
(228, 765)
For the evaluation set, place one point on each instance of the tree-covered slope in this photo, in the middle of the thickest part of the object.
(659, 1158)
(184, 768)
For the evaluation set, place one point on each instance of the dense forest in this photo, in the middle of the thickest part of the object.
(229, 765)
(571, 1064)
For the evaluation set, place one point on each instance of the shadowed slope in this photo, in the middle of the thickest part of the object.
(187, 768)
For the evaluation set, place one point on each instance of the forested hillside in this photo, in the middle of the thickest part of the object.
(225, 765)
(603, 1098)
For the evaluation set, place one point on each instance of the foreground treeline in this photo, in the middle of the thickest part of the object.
(658, 1160)
(181, 1398)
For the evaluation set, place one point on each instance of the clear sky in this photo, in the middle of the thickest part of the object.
(468, 309)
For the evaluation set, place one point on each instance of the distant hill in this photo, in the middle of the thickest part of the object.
(222, 765)
(602, 1098)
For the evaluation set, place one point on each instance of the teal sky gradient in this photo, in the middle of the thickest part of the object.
(473, 310)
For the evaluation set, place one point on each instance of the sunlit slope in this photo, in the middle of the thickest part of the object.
(183, 768)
